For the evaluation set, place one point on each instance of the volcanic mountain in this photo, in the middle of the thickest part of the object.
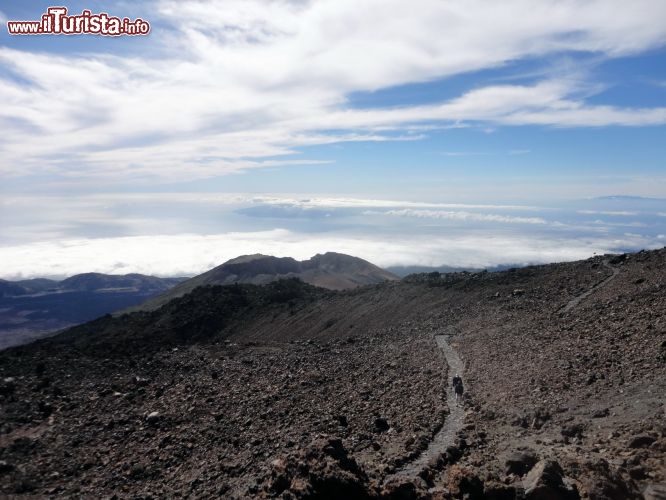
(334, 271)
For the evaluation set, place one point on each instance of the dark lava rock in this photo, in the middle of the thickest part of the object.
(638, 472)
(603, 483)
(437, 462)
(464, 483)
(42, 383)
(7, 386)
(499, 491)
(140, 381)
(45, 408)
(453, 454)
(471, 487)
(601, 413)
(573, 430)
(535, 420)
(655, 492)
(641, 441)
(153, 418)
(24, 446)
(545, 482)
(324, 470)
(403, 488)
(520, 463)
(381, 424)
(5, 467)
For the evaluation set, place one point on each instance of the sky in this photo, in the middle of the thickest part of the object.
(469, 133)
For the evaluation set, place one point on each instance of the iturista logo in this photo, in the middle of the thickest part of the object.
(56, 21)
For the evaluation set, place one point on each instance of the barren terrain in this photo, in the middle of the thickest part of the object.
(291, 391)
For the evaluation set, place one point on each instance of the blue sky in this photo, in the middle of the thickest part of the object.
(486, 132)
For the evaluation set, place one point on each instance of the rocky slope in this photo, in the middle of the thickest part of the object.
(291, 391)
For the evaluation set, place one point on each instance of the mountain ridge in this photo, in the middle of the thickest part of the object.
(331, 270)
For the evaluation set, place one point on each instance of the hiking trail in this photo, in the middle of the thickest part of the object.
(454, 420)
(576, 300)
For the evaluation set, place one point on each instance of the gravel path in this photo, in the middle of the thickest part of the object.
(454, 421)
(576, 300)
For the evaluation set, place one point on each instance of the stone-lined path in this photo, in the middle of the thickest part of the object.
(454, 421)
(576, 300)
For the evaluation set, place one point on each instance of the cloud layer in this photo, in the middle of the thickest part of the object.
(147, 233)
(188, 254)
(465, 216)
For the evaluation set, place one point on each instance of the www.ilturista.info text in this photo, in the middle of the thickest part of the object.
(57, 22)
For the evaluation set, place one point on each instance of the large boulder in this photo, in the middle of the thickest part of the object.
(520, 463)
(499, 491)
(546, 482)
(463, 482)
(323, 470)
(602, 482)
(641, 441)
(405, 488)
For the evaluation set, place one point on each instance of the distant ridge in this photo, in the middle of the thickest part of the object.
(403, 271)
(33, 308)
(88, 282)
(334, 271)
(105, 282)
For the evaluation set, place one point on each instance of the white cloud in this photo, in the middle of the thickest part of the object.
(188, 254)
(545, 103)
(87, 202)
(330, 202)
(620, 213)
(619, 224)
(250, 79)
(464, 216)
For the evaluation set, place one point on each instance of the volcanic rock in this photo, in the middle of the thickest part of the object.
(641, 441)
(520, 463)
(545, 482)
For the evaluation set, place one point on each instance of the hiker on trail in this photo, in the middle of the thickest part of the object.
(457, 387)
